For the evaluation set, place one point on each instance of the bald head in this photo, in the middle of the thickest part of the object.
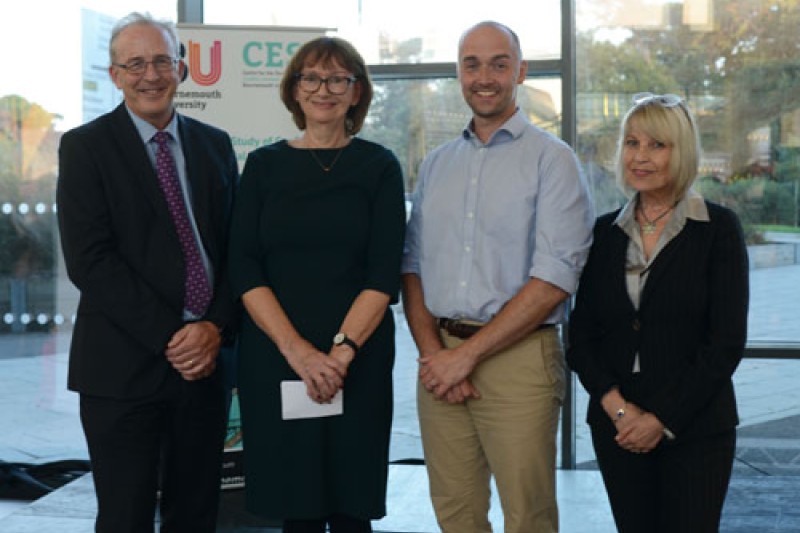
(492, 25)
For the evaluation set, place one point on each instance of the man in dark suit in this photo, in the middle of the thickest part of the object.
(154, 302)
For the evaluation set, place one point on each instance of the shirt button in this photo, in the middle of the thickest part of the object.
(470, 215)
(636, 324)
(463, 284)
(467, 249)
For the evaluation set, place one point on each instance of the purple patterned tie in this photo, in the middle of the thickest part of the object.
(197, 289)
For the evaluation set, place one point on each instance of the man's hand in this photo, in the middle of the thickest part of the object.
(193, 350)
(462, 392)
(442, 371)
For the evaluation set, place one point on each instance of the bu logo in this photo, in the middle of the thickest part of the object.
(195, 64)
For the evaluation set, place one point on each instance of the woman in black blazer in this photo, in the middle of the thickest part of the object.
(658, 329)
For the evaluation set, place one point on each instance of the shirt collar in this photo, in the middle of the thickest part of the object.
(510, 129)
(147, 130)
(696, 207)
(691, 206)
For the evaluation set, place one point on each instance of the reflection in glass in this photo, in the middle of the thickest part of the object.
(731, 61)
(412, 31)
(27, 240)
(412, 117)
(40, 97)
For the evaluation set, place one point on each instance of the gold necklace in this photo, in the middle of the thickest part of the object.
(326, 168)
(649, 226)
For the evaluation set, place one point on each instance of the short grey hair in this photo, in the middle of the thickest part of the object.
(135, 18)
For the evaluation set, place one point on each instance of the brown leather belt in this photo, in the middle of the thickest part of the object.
(465, 330)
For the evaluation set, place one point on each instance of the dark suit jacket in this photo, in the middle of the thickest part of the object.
(690, 329)
(123, 254)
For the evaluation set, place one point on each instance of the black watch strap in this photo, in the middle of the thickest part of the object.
(342, 338)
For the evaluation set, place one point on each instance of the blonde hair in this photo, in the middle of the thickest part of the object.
(667, 119)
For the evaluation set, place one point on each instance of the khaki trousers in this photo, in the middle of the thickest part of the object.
(509, 433)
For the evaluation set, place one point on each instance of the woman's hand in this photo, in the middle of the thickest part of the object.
(344, 355)
(323, 375)
(639, 431)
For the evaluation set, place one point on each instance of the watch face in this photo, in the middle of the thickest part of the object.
(339, 338)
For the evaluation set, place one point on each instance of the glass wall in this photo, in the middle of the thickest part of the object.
(43, 92)
(414, 116)
(47, 97)
(412, 31)
(736, 64)
(735, 61)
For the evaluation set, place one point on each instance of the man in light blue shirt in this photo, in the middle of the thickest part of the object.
(499, 232)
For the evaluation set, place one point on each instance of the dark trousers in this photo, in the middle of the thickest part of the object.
(679, 486)
(339, 524)
(172, 440)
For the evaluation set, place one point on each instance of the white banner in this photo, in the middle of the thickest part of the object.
(233, 82)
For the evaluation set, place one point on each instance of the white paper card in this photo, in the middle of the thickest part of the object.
(295, 402)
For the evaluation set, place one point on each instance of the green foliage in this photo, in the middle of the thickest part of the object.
(28, 146)
(757, 201)
(741, 77)
(777, 228)
(608, 68)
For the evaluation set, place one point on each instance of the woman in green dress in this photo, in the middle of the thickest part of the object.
(316, 240)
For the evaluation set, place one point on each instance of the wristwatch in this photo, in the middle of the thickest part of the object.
(342, 338)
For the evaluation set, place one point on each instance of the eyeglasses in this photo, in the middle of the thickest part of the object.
(337, 85)
(665, 100)
(137, 67)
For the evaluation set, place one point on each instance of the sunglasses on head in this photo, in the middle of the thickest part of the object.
(665, 100)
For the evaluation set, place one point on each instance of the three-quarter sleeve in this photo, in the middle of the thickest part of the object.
(387, 231)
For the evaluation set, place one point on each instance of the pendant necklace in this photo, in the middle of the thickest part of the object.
(649, 226)
(328, 167)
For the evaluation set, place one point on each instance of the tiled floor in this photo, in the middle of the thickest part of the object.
(10, 506)
(762, 504)
(71, 509)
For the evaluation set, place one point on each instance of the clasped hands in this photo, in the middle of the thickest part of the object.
(193, 350)
(322, 373)
(445, 374)
(638, 431)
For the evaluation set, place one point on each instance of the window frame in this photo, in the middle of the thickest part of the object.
(191, 11)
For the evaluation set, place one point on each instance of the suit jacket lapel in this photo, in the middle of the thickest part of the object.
(618, 257)
(665, 257)
(134, 153)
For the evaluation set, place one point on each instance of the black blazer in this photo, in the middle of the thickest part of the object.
(690, 329)
(123, 254)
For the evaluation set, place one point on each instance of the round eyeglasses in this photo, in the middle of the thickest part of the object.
(337, 85)
(137, 67)
(665, 100)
